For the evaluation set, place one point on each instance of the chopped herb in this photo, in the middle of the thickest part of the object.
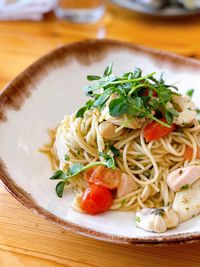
(137, 219)
(115, 151)
(190, 92)
(123, 202)
(158, 212)
(139, 157)
(187, 208)
(180, 172)
(146, 173)
(78, 151)
(184, 187)
(67, 157)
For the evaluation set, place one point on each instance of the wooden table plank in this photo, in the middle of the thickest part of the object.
(25, 238)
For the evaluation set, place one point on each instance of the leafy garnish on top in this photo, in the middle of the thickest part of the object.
(135, 94)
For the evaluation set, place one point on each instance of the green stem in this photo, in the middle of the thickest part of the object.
(159, 121)
(135, 88)
(98, 163)
(134, 80)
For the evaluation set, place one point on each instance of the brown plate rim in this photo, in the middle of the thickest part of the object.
(35, 69)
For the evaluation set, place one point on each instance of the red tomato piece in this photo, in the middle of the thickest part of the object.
(96, 199)
(146, 93)
(155, 131)
(189, 153)
(101, 175)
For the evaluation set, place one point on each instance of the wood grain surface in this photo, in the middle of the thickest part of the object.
(29, 241)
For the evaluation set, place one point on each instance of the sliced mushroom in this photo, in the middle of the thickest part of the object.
(127, 185)
(171, 218)
(183, 177)
(156, 220)
(107, 130)
(186, 109)
(187, 202)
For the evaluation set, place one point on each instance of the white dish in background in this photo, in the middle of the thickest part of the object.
(168, 11)
(39, 98)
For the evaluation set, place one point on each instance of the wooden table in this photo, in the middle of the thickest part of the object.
(29, 241)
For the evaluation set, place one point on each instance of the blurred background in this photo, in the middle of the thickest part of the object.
(30, 28)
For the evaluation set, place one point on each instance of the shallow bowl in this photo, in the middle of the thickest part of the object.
(40, 97)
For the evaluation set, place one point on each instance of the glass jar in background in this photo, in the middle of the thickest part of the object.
(80, 11)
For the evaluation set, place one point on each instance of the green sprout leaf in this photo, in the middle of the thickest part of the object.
(115, 151)
(184, 187)
(108, 70)
(137, 219)
(190, 92)
(67, 157)
(80, 112)
(109, 161)
(169, 117)
(102, 98)
(60, 188)
(75, 168)
(59, 174)
(118, 107)
(93, 77)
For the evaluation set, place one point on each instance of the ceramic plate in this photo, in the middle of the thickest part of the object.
(39, 98)
(168, 11)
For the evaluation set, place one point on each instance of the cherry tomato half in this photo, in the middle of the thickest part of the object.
(155, 131)
(96, 199)
(101, 175)
(146, 93)
(189, 153)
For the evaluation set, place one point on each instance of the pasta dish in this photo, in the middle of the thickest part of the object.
(135, 145)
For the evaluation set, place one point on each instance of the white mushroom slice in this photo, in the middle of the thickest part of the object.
(185, 117)
(183, 177)
(156, 220)
(145, 219)
(160, 225)
(171, 218)
(186, 109)
(187, 202)
(107, 130)
(127, 185)
(184, 102)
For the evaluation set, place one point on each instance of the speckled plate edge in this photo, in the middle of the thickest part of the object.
(16, 92)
